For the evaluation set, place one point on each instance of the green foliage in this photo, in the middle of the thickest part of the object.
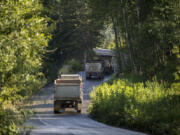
(134, 78)
(75, 66)
(71, 67)
(23, 38)
(77, 32)
(50, 69)
(146, 34)
(149, 107)
(147, 44)
(65, 69)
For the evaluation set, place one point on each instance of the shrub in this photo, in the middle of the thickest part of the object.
(149, 107)
(64, 70)
(71, 67)
(75, 66)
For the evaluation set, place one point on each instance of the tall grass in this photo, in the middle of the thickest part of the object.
(148, 107)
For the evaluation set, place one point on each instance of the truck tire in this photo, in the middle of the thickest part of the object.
(102, 76)
(87, 77)
(77, 106)
(56, 111)
(56, 107)
(99, 76)
(78, 111)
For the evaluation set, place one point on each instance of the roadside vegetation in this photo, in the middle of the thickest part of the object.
(149, 106)
(147, 45)
(38, 37)
(23, 39)
(71, 67)
(77, 32)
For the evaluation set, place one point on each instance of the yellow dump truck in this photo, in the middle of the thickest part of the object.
(68, 92)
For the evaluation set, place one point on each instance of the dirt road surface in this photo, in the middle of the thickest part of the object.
(45, 122)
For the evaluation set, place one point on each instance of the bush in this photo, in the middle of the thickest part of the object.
(71, 67)
(75, 66)
(148, 107)
(64, 70)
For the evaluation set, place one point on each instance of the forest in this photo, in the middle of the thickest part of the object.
(37, 37)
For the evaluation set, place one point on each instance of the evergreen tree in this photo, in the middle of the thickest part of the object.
(145, 34)
(76, 34)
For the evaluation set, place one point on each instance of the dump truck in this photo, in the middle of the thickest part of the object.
(108, 67)
(68, 92)
(108, 57)
(94, 69)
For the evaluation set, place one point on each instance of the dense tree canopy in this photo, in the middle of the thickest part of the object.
(146, 34)
(77, 32)
(147, 45)
(23, 39)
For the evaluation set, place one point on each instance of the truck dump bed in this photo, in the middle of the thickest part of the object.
(68, 87)
(93, 67)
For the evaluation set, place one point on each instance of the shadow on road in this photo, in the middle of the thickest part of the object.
(69, 122)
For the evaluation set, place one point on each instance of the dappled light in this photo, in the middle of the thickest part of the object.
(134, 42)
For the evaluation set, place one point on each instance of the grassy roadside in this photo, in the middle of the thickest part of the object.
(149, 106)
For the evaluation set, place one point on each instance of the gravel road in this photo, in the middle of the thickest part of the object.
(45, 122)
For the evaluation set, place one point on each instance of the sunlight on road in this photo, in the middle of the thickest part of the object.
(45, 122)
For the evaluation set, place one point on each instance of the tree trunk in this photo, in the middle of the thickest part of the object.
(118, 45)
(85, 58)
(127, 37)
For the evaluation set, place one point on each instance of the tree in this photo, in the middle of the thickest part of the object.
(145, 34)
(23, 38)
(77, 32)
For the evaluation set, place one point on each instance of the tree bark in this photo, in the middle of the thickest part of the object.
(127, 37)
(119, 53)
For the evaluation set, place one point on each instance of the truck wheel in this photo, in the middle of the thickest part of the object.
(101, 76)
(56, 107)
(78, 106)
(78, 111)
(55, 111)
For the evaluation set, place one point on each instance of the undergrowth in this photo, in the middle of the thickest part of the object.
(148, 106)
